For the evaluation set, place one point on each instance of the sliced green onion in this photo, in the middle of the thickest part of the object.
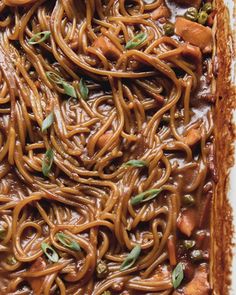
(135, 163)
(136, 41)
(2, 233)
(69, 89)
(202, 17)
(57, 79)
(50, 252)
(169, 29)
(47, 162)
(177, 275)
(47, 122)
(39, 37)
(102, 270)
(207, 7)
(188, 244)
(83, 89)
(11, 260)
(106, 293)
(68, 241)
(191, 14)
(145, 196)
(131, 258)
(54, 77)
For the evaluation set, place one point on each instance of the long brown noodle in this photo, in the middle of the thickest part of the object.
(139, 107)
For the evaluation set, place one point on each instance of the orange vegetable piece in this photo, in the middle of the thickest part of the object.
(108, 49)
(161, 11)
(192, 136)
(187, 221)
(194, 33)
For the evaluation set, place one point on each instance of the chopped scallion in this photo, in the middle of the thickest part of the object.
(145, 196)
(39, 37)
(50, 252)
(131, 258)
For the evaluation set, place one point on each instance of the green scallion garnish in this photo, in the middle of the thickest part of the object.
(50, 252)
(68, 242)
(131, 258)
(39, 37)
(83, 89)
(135, 163)
(145, 196)
(57, 79)
(47, 162)
(136, 41)
(47, 122)
(177, 275)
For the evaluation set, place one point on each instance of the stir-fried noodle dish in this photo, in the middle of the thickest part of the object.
(106, 146)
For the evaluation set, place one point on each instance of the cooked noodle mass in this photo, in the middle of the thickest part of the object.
(106, 147)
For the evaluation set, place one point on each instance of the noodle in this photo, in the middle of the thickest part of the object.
(99, 109)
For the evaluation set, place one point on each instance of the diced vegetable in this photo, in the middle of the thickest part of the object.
(188, 244)
(199, 255)
(106, 46)
(159, 12)
(192, 136)
(194, 33)
(191, 14)
(207, 7)
(187, 221)
(169, 29)
(202, 17)
(102, 269)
